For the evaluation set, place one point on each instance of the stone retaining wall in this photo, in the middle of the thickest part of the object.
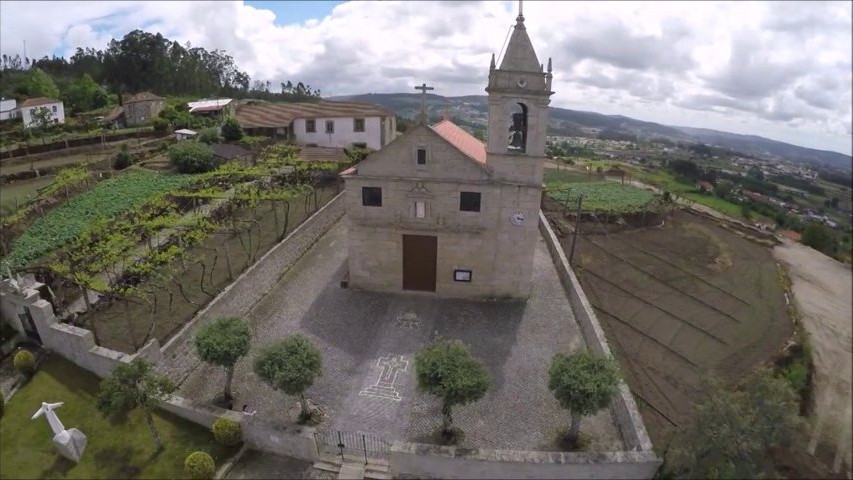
(623, 407)
(434, 461)
(292, 441)
(239, 297)
(72, 343)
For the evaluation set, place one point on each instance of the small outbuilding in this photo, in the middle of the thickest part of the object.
(185, 134)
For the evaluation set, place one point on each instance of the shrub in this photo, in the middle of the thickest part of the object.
(160, 124)
(199, 466)
(123, 158)
(25, 362)
(227, 432)
(191, 157)
(209, 136)
(231, 130)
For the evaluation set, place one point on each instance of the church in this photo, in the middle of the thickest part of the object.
(437, 210)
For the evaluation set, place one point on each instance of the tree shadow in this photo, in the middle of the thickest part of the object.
(59, 468)
(117, 462)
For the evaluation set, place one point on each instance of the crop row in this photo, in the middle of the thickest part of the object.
(602, 196)
(106, 200)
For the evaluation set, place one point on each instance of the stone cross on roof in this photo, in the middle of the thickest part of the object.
(423, 88)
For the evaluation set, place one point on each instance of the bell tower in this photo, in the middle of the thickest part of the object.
(519, 93)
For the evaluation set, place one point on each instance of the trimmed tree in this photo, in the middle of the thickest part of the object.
(191, 157)
(734, 432)
(584, 384)
(231, 130)
(131, 386)
(24, 362)
(222, 343)
(209, 136)
(199, 466)
(291, 366)
(446, 369)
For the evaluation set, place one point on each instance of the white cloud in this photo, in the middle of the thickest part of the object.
(776, 69)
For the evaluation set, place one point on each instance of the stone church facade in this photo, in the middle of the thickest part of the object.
(436, 210)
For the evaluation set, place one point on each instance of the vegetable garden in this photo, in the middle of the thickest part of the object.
(156, 246)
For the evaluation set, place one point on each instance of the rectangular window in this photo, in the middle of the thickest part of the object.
(420, 209)
(358, 125)
(469, 202)
(371, 196)
(330, 126)
(422, 156)
(310, 126)
(462, 276)
(54, 109)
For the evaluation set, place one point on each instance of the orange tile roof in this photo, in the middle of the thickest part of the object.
(462, 140)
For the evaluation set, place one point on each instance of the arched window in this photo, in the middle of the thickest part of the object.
(518, 128)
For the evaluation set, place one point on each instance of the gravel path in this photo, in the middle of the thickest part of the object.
(822, 290)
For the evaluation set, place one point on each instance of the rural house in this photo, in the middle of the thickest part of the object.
(31, 107)
(321, 124)
(137, 110)
(437, 210)
(8, 109)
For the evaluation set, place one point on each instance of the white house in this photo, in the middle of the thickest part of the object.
(30, 107)
(322, 124)
(8, 109)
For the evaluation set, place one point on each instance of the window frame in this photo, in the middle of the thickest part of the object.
(462, 203)
(330, 123)
(313, 124)
(418, 156)
(365, 191)
(355, 122)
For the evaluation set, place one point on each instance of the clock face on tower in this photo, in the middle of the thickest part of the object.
(522, 82)
(517, 218)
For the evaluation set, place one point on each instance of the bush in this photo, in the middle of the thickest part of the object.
(819, 237)
(231, 130)
(199, 466)
(123, 159)
(227, 432)
(209, 136)
(160, 124)
(191, 157)
(25, 362)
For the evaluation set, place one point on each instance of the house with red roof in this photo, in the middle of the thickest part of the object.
(437, 210)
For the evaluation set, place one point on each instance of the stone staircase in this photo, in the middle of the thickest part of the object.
(353, 468)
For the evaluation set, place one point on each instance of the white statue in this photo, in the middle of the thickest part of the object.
(69, 443)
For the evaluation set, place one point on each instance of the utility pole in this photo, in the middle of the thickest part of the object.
(577, 227)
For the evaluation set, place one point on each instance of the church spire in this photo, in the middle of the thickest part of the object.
(520, 55)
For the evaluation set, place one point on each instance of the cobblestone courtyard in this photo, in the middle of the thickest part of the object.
(369, 340)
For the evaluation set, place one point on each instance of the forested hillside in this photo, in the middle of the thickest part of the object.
(141, 61)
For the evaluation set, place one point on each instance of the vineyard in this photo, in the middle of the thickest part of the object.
(156, 246)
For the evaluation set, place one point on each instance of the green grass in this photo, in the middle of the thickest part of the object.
(17, 193)
(115, 449)
(107, 199)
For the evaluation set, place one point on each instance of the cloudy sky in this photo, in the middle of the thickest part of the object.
(780, 70)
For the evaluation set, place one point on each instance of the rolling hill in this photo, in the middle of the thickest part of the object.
(473, 110)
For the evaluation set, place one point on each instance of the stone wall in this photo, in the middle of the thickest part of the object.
(292, 440)
(73, 343)
(239, 297)
(623, 407)
(434, 461)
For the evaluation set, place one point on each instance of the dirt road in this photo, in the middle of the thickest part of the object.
(822, 290)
